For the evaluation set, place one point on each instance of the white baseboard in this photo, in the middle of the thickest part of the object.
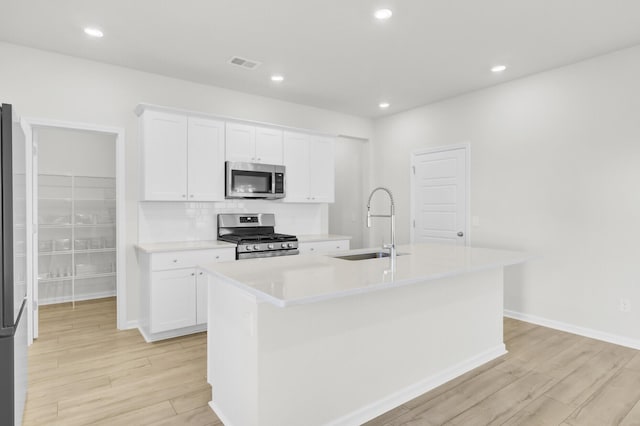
(154, 337)
(574, 329)
(220, 414)
(131, 324)
(396, 399)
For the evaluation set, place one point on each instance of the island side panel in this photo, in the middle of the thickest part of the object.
(347, 360)
(232, 353)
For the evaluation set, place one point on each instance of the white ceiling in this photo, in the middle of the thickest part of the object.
(333, 53)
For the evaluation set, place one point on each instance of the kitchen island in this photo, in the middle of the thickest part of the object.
(314, 340)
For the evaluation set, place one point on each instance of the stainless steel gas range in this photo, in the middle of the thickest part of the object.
(255, 236)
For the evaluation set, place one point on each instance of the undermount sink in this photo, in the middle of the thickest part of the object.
(365, 256)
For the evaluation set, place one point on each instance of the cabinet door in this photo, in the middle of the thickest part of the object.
(268, 145)
(173, 299)
(296, 160)
(322, 170)
(202, 301)
(240, 142)
(164, 156)
(206, 160)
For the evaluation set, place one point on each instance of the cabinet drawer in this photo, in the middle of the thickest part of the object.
(190, 258)
(323, 246)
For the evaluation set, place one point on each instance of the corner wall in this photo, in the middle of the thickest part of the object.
(48, 85)
(555, 171)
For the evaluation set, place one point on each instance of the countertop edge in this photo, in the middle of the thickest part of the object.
(169, 246)
(361, 290)
(150, 248)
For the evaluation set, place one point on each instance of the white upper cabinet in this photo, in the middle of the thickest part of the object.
(240, 142)
(164, 156)
(182, 157)
(268, 145)
(205, 165)
(296, 161)
(310, 163)
(321, 169)
(253, 144)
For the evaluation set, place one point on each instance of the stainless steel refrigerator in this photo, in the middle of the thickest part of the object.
(13, 270)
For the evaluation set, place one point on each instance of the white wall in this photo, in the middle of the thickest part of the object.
(48, 85)
(555, 171)
(76, 152)
(165, 221)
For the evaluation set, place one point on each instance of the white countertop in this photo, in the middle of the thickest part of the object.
(322, 237)
(293, 280)
(183, 245)
(214, 244)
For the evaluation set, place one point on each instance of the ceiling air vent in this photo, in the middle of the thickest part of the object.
(244, 63)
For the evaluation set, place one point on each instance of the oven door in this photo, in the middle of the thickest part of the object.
(251, 180)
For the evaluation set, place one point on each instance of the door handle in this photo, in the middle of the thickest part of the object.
(460, 234)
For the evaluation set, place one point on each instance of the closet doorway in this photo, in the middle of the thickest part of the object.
(78, 216)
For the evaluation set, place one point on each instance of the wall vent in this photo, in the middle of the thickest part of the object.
(248, 64)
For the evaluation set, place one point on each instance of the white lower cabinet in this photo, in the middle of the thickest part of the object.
(319, 247)
(174, 291)
(173, 299)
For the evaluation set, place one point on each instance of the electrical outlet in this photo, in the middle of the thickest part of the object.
(625, 305)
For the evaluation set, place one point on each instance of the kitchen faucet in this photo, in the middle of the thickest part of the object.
(392, 216)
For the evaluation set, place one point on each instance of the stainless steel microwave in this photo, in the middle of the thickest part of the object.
(254, 180)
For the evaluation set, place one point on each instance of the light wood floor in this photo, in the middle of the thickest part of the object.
(547, 378)
(82, 370)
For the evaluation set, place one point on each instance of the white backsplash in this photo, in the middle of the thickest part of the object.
(167, 221)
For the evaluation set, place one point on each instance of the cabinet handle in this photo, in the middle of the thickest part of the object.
(191, 196)
(193, 273)
(175, 260)
(312, 249)
(200, 273)
(259, 159)
(184, 196)
(217, 257)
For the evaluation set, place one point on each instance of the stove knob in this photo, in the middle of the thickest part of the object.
(290, 245)
(270, 246)
(283, 245)
(256, 247)
(248, 247)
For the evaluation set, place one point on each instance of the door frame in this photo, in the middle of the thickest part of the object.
(466, 146)
(31, 123)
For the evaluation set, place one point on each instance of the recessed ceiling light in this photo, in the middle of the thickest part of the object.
(93, 32)
(499, 68)
(277, 78)
(384, 105)
(383, 14)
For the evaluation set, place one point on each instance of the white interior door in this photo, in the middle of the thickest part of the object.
(440, 195)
